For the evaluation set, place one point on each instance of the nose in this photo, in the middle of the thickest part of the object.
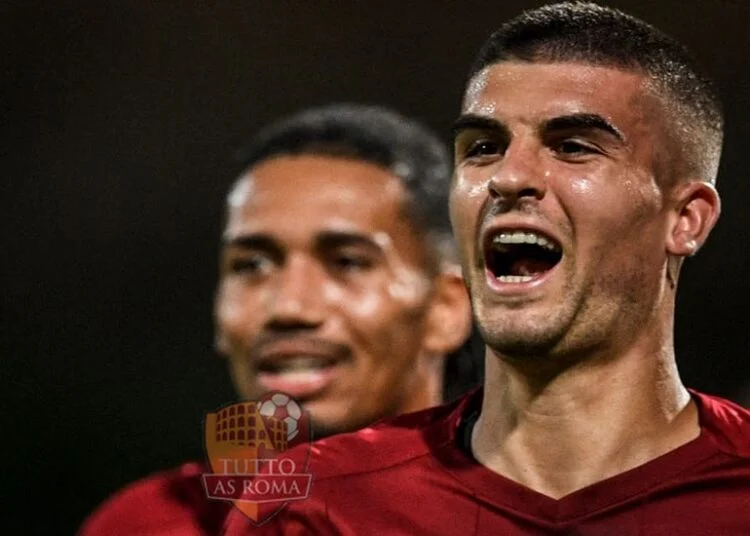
(296, 301)
(519, 175)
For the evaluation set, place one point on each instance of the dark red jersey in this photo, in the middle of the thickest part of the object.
(415, 475)
(171, 503)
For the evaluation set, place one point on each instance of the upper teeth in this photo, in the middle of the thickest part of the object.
(521, 237)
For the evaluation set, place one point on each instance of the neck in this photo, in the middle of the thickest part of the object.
(426, 390)
(557, 433)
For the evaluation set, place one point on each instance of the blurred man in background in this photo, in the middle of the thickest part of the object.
(339, 285)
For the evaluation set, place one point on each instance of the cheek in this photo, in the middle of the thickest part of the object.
(357, 303)
(408, 289)
(466, 198)
(398, 289)
(594, 206)
(582, 187)
(624, 207)
(387, 334)
(617, 228)
(394, 302)
(238, 310)
(383, 315)
(332, 293)
(367, 307)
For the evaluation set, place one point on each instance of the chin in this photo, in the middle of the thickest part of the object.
(524, 346)
(522, 350)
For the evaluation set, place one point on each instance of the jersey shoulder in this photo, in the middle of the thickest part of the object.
(386, 444)
(727, 423)
(169, 502)
(351, 466)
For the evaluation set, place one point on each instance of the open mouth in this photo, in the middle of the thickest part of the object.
(301, 369)
(521, 256)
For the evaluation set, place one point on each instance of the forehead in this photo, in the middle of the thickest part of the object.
(296, 197)
(533, 92)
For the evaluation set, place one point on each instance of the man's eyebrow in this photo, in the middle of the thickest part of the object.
(334, 239)
(583, 121)
(476, 122)
(323, 240)
(252, 241)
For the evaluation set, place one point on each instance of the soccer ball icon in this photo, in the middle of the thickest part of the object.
(283, 408)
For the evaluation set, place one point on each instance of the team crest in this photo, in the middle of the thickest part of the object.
(245, 443)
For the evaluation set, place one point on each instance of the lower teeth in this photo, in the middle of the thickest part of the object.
(514, 278)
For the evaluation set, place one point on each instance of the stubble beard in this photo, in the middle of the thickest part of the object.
(524, 335)
(534, 341)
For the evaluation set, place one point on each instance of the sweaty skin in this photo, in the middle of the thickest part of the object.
(582, 357)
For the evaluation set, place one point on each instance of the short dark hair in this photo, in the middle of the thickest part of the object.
(590, 33)
(376, 135)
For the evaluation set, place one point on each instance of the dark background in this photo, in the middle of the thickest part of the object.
(119, 123)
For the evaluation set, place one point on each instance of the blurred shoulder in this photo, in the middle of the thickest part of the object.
(348, 467)
(168, 502)
(386, 444)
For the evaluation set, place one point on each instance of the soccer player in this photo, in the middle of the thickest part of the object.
(585, 159)
(339, 285)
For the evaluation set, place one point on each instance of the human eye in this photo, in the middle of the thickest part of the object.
(482, 148)
(251, 264)
(477, 147)
(575, 149)
(351, 261)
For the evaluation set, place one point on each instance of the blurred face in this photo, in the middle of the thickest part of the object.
(323, 292)
(556, 206)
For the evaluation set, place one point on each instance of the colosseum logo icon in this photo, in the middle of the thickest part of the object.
(246, 444)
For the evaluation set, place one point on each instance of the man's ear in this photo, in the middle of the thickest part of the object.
(448, 323)
(697, 208)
